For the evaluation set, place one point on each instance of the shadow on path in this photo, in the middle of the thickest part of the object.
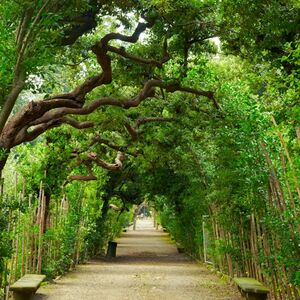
(147, 267)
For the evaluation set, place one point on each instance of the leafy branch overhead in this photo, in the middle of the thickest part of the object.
(88, 158)
(36, 117)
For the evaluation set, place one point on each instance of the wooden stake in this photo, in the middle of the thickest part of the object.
(41, 223)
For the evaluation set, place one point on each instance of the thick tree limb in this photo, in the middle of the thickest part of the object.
(77, 124)
(82, 177)
(26, 136)
(147, 91)
(37, 117)
(11, 99)
(108, 166)
(121, 51)
(100, 49)
(88, 165)
(141, 27)
(53, 115)
(115, 208)
(92, 157)
(133, 130)
(32, 111)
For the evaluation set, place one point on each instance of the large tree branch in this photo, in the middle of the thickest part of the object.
(100, 50)
(122, 52)
(92, 157)
(147, 91)
(51, 112)
(26, 136)
(133, 130)
(20, 122)
(77, 124)
(11, 99)
(141, 27)
(36, 109)
(108, 166)
(88, 177)
(77, 96)
(115, 208)
(82, 177)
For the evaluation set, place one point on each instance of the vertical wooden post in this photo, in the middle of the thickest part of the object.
(12, 260)
(40, 238)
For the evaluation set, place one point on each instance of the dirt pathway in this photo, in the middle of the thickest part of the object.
(147, 267)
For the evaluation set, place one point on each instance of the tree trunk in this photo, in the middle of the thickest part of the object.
(4, 153)
(101, 220)
(46, 211)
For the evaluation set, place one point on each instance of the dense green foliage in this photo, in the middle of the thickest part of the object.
(225, 181)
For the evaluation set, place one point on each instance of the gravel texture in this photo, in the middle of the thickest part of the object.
(147, 267)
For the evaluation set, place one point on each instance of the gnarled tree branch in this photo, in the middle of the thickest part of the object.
(122, 52)
(108, 166)
(82, 177)
(133, 130)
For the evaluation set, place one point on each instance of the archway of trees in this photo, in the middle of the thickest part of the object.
(189, 106)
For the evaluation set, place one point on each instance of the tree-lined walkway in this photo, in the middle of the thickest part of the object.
(147, 266)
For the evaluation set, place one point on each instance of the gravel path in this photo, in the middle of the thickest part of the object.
(147, 267)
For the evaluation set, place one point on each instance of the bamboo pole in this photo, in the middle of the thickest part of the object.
(260, 244)
(12, 261)
(292, 201)
(51, 243)
(298, 134)
(255, 247)
(244, 253)
(229, 259)
(27, 235)
(6, 280)
(40, 236)
(23, 247)
(36, 235)
(296, 181)
(278, 199)
(267, 255)
(17, 246)
(56, 242)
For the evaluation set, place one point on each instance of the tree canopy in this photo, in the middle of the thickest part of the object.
(189, 106)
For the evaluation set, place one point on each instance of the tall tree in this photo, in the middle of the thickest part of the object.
(32, 39)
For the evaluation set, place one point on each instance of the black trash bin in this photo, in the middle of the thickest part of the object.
(112, 249)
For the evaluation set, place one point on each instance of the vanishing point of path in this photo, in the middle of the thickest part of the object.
(147, 267)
